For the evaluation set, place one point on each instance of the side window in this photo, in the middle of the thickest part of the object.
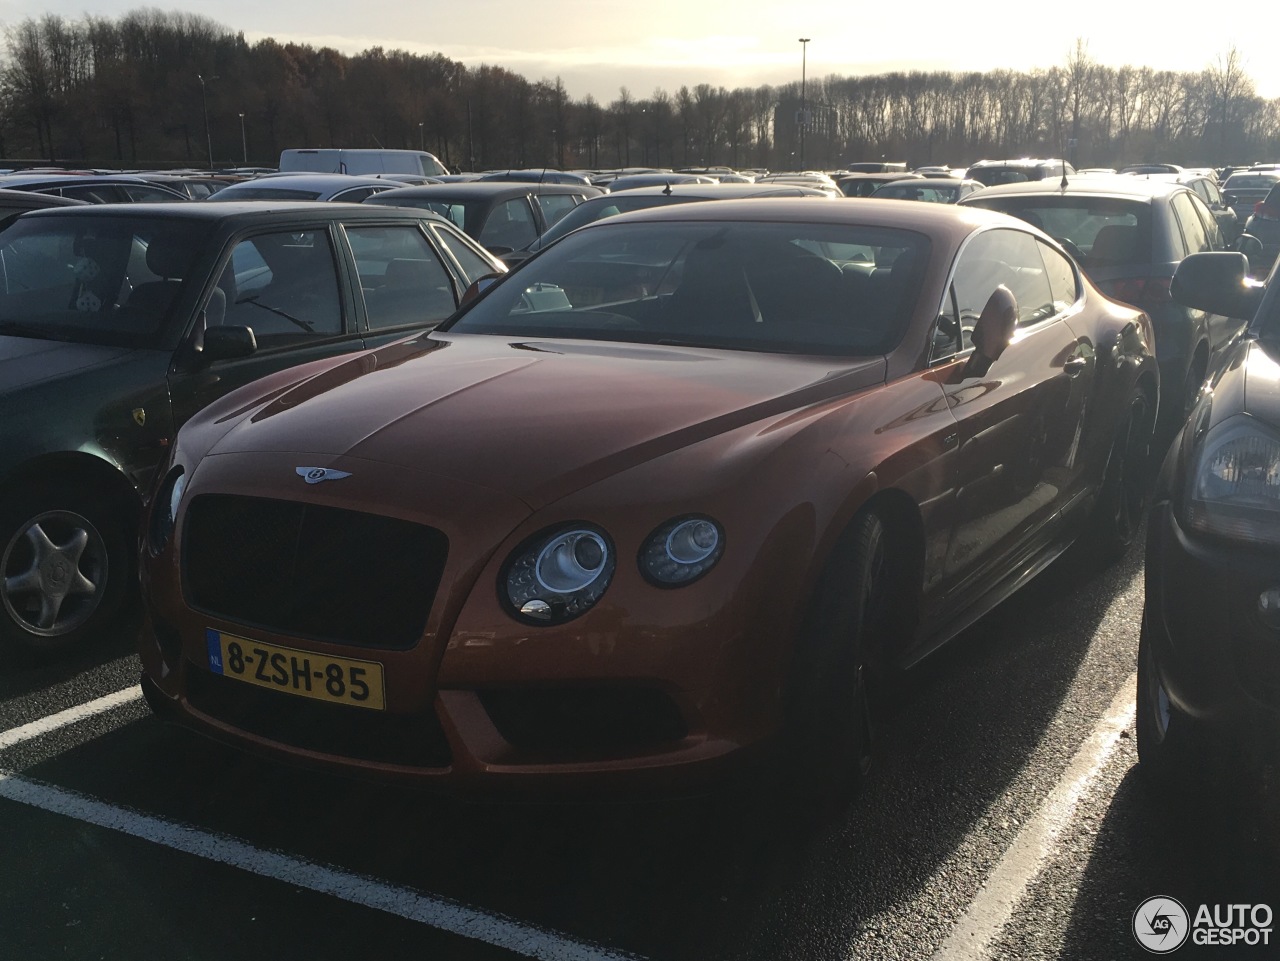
(1210, 224)
(403, 280)
(354, 195)
(284, 286)
(555, 206)
(1193, 229)
(510, 225)
(473, 265)
(1063, 286)
(1008, 257)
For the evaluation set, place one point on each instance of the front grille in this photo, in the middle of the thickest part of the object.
(573, 723)
(311, 571)
(336, 729)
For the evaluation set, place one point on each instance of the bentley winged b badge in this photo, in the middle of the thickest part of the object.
(314, 475)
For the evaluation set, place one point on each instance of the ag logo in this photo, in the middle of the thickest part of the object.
(1161, 925)
(314, 475)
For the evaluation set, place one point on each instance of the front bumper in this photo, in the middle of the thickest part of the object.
(1218, 661)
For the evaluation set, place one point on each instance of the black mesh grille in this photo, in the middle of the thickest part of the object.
(335, 729)
(311, 571)
(564, 724)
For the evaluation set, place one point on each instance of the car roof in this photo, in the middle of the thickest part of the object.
(59, 180)
(480, 190)
(948, 220)
(243, 209)
(315, 181)
(1120, 185)
(718, 191)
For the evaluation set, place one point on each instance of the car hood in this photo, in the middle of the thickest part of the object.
(534, 419)
(25, 360)
(1261, 371)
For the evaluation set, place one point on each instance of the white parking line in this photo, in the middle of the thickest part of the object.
(1026, 857)
(45, 725)
(446, 915)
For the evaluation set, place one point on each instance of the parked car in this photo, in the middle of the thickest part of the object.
(94, 188)
(1129, 234)
(993, 172)
(642, 198)
(19, 201)
(343, 188)
(193, 187)
(1207, 189)
(501, 215)
(937, 190)
(865, 184)
(1264, 224)
(689, 483)
(118, 322)
(1151, 168)
(544, 175)
(1208, 699)
(366, 161)
(632, 181)
(1244, 189)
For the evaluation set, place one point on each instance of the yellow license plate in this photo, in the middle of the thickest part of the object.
(339, 680)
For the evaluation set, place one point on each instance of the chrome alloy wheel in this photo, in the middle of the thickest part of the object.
(54, 571)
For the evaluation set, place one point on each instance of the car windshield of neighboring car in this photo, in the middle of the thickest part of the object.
(1250, 181)
(770, 287)
(589, 213)
(98, 280)
(919, 190)
(999, 175)
(266, 193)
(1104, 231)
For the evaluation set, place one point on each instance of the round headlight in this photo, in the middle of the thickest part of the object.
(681, 551)
(164, 513)
(560, 575)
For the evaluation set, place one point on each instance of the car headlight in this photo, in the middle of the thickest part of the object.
(681, 551)
(1235, 490)
(164, 513)
(557, 576)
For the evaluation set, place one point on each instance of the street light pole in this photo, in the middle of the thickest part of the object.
(804, 110)
(422, 137)
(204, 105)
(244, 142)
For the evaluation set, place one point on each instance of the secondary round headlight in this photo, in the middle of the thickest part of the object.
(560, 575)
(681, 551)
(164, 513)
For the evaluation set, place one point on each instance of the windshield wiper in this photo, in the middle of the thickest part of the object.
(304, 324)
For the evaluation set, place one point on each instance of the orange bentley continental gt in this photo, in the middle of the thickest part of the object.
(681, 488)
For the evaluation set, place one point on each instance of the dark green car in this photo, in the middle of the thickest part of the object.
(118, 322)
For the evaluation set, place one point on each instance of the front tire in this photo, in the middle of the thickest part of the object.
(1171, 751)
(64, 569)
(830, 731)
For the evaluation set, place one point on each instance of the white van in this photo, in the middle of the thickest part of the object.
(366, 162)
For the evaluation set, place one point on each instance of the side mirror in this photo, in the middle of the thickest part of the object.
(994, 330)
(1217, 282)
(228, 343)
(478, 287)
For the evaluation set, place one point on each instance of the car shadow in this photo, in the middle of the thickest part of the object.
(719, 876)
(22, 673)
(1212, 847)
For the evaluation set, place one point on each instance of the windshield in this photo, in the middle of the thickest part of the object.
(1099, 231)
(590, 212)
(773, 287)
(266, 193)
(94, 279)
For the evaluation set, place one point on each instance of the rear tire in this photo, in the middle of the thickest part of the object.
(1122, 501)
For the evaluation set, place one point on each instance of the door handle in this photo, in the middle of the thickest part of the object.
(1075, 366)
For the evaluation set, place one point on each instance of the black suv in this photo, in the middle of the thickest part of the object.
(118, 322)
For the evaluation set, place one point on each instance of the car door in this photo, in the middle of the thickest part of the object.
(405, 283)
(284, 285)
(1017, 421)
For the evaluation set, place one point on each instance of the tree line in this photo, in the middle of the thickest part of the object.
(155, 88)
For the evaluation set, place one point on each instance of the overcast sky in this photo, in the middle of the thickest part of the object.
(598, 46)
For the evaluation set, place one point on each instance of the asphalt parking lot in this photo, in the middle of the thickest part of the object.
(1008, 819)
